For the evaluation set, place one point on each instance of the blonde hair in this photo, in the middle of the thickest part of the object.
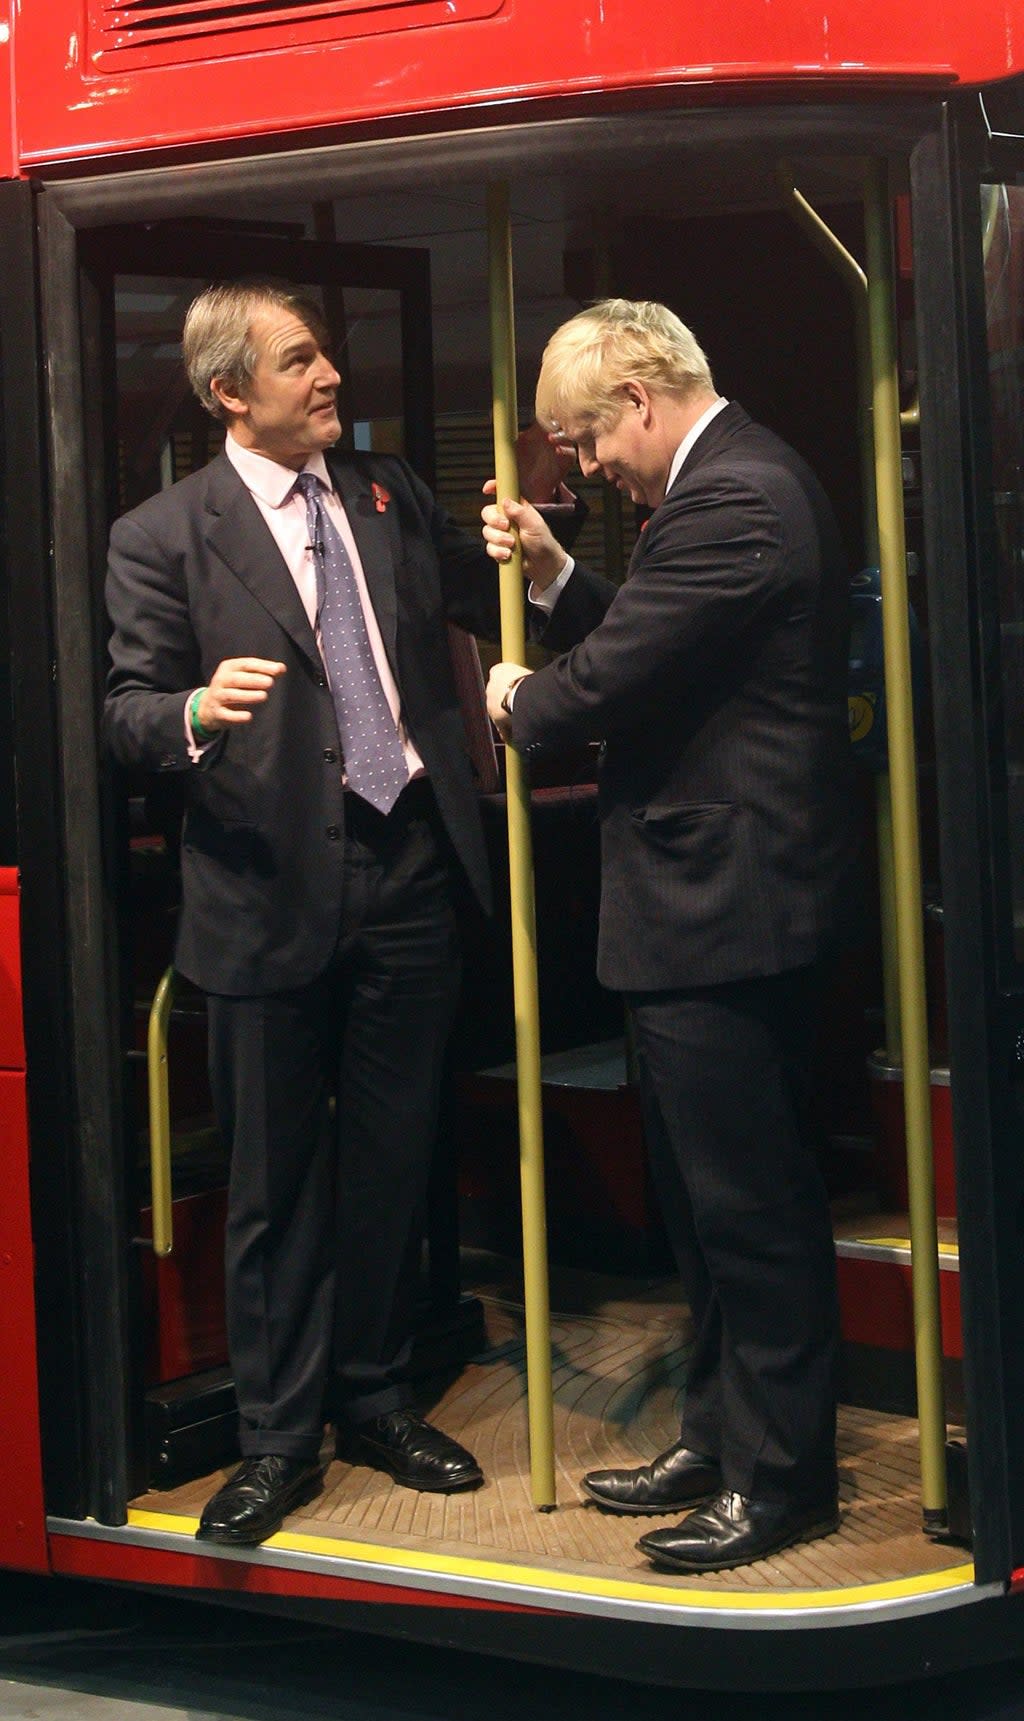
(590, 359)
(217, 338)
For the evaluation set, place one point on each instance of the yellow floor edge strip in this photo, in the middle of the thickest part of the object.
(947, 1250)
(493, 1571)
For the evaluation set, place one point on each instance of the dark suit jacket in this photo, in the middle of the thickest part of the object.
(716, 676)
(194, 577)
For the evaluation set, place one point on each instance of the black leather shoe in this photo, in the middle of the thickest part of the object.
(257, 1499)
(676, 1479)
(412, 1451)
(733, 1531)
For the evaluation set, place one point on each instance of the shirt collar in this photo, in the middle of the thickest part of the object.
(268, 479)
(690, 438)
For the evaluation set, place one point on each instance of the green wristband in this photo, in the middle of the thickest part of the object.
(198, 731)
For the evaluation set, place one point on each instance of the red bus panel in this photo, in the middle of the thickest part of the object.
(8, 144)
(101, 77)
(22, 1517)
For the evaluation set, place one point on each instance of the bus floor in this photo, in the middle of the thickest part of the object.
(620, 1352)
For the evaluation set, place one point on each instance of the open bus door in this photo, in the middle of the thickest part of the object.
(968, 236)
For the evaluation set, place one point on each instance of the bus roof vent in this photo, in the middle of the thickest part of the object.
(126, 33)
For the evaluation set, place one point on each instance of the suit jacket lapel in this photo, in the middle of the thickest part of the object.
(238, 534)
(375, 535)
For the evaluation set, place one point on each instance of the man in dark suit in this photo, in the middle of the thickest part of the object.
(279, 636)
(716, 680)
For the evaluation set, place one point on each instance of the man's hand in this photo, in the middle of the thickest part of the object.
(543, 556)
(545, 459)
(502, 677)
(236, 684)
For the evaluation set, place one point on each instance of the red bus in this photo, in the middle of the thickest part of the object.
(777, 175)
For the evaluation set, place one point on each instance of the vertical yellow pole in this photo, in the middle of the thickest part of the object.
(887, 902)
(160, 1116)
(524, 929)
(906, 850)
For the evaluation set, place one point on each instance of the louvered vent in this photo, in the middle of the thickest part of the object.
(158, 32)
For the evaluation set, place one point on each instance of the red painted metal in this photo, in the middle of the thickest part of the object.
(22, 1516)
(88, 88)
(891, 1138)
(12, 1037)
(877, 1305)
(81, 1556)
(8, 148)
(183, 1293)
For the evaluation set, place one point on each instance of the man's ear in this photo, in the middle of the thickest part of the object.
(223, 390)
(638, 399)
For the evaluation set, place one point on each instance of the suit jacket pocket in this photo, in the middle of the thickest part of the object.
(235, 845)
(698, 836)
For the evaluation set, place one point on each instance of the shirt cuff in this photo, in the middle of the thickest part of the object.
(194, 748)
(547, 599)
(566, 499)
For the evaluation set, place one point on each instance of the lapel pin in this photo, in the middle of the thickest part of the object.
(381, 497)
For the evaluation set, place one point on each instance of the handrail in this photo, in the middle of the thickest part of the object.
(906, 851)
(835, 253)
(898, 831)
(520, 856)
(160, 1115)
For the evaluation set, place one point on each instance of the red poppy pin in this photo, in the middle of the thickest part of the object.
(381, 497)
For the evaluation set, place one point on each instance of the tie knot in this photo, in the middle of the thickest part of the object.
(308, 485)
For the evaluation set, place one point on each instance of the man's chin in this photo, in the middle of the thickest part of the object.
(326, 427)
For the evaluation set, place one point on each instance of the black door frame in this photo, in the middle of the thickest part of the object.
(986, 1015)
(37, 752)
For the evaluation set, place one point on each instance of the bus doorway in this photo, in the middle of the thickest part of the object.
(622, 1353)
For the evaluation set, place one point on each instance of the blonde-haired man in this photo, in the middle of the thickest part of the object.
(715, 677)
(590, 360)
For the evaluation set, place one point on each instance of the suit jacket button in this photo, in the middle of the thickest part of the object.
(330, 756)
(334, 833)
(321, 681)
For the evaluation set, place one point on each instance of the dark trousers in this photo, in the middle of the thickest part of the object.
(725, 1074)
(328, 1096)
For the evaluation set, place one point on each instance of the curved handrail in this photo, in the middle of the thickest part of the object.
(160, 1115)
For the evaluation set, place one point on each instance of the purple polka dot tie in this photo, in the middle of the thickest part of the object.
(375, 764)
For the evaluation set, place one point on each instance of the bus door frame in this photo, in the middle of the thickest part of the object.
(985, 1000)
(25, 511)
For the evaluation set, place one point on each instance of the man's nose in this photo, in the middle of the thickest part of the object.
(327, 377)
